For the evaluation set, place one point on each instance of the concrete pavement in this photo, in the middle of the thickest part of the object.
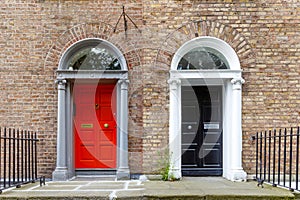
(208, 188)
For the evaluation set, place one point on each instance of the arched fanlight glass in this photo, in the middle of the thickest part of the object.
(94, 58)
(202, 58)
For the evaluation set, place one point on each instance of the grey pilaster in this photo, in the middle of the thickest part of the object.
(123, 168)
(61, 171)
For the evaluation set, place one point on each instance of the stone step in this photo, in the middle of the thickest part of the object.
(209, 188)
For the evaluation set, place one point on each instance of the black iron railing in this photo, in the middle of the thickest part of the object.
(18, 160)
(277, 157)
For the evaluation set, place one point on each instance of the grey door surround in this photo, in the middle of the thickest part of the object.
(65, 138)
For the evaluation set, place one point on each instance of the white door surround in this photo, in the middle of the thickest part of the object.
(66, 77)
(231, 80)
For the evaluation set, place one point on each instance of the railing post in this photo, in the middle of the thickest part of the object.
(18, 156)
(265, 154)
(256, 157)
(1, 158)
(269, 156)
(297, 159)
(35, 152)
(284, 158)
(291, 158)
(32, 161)
(22, 156)
(279, 152)
(274, 157)
(260, 156)
(9, 157)
(28, 152)
(4, 160)
(14, 155)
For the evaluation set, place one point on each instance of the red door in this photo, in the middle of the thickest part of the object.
(94, 126)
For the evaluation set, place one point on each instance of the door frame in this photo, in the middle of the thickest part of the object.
(231, 80)
(65, 168)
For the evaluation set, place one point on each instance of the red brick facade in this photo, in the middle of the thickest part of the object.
(35, 33)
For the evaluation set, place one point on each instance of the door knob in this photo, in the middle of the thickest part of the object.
(106, 125)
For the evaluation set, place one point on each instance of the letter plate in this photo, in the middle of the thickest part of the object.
(211, 126)
(87, 125)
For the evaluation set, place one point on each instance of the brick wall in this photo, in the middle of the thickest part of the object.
(35, 33)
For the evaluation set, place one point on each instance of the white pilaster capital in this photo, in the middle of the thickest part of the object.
(61, 84)
(174, 83)
(237, 83)
(124, 84)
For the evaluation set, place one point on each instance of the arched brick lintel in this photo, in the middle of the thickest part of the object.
(200, 28)
(100, 30)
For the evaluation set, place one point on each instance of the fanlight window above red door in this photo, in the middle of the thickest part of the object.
(94, 58)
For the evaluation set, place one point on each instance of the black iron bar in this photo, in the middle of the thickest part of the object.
(4, 160)
(1, 158)
(260, 156)
(32, 160)
(29, 160)
(14, 156)
(297, 159)
(265, 154)
(291, 158)
(274, 157)
(22, 157)
(9, 157)
(18, 156)
(269, 156)
(284, 158)
(279, 156)
(25, 156)
(256, 155)
(125, 20)
(35, 152)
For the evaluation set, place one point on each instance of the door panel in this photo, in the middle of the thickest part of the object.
(212, 159)
(189, 158)
(201, 130)
(94, 126)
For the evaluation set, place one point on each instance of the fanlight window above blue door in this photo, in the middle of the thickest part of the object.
(202, 58)
(94, 58)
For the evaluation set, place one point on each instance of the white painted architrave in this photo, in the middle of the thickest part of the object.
(65, 149)
(231, 80)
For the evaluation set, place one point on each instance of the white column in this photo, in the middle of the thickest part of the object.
(123, 168)
(61, 170)
(236, 170)
(175, 128)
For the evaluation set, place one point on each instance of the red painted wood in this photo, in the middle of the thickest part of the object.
(95, 144)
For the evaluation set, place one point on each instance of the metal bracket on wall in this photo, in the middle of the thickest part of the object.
(125, 16)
